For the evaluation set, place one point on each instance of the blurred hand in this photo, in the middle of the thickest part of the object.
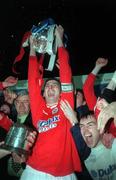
(59, 31)
(31, 138)
(9, 96)
(10, 81)
(105, 115)
(68, 111)
(18, 158)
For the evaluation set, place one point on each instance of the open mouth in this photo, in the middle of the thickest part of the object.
(51, 93)
(89, 140)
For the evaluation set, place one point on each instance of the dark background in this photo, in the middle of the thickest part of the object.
(89, 24)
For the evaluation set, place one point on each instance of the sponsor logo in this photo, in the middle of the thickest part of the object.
(55, 110)
(45, 125)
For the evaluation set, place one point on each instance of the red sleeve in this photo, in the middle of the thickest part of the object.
(1, 86)
(88, 89)
(65, 74)
(35, 82)
(6, 123)
(65, 70)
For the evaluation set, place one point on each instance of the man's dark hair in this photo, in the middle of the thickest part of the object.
(55, 79)
(22, 92)
(86, 114)
(81, 91)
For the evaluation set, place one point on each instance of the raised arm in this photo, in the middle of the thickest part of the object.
(88, 87)
(35, 81)
(64, 66)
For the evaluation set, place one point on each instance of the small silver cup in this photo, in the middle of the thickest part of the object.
(16, 139)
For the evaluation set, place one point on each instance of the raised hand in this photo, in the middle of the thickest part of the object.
(68, 112)
(10, 81)
(31, 138)
(59, 31)
(101, 62)
(105, 115)
(9, 96)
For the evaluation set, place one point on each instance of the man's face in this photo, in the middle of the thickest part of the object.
(22, 105)
(79, 98)
(52, 91)
(89, 131)
(5, 108)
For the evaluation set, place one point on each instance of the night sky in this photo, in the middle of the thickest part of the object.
(89, 24)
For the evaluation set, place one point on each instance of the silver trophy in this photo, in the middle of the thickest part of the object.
(45, 40)
(16, 139)
(47, 44)
(44, 33)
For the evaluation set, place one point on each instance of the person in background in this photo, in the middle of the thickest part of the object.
(80, 102)
(22, 115)
(107, 95)
(8, 96)
(5, 122)
(5, 108)
(80, 108)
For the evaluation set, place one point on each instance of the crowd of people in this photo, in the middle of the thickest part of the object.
(74, 131)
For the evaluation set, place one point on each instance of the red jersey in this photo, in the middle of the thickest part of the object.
(54, 151)
(5, 122)
(91, 99)
(1, 86)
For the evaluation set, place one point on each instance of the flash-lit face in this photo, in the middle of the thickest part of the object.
(79, 98)
(22, 105)
(5, 108)
(89, 131)
(52, 91)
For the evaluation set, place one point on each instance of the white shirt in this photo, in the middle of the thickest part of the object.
(101, 163)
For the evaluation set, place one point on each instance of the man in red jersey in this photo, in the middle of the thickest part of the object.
(54, 154)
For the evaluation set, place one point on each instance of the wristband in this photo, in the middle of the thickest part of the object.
(66, 87)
